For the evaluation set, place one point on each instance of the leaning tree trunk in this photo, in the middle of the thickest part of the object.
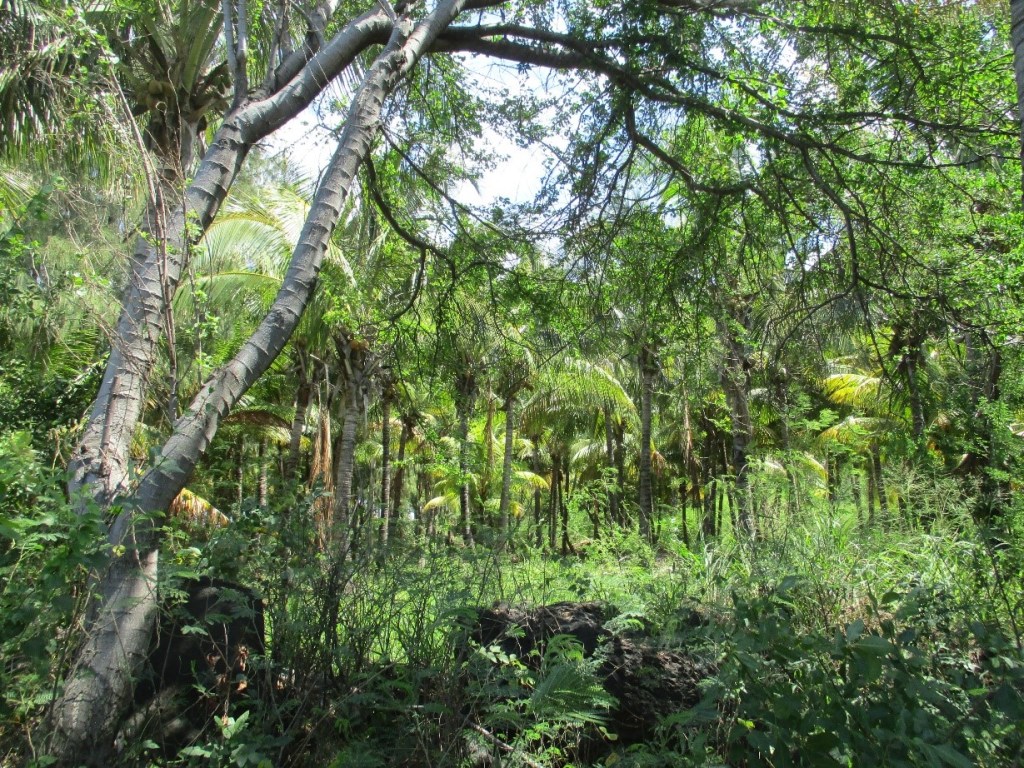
(99, 467)
(84, 719)
(506, 469)
(647, 371)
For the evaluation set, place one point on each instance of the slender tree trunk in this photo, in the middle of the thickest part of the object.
(911, 362)
(620, 472)
(385, 470)
(506, 468)
(883, 496)
(239, 474)
(683, 517)
(398, 485)
(488, 474)
(100, 464)
(344, 465)
(263, 491)
(647, 370)
(855, 490)
(872, 490)
(302, 397)
(564, 515)
(609, 446)
(464, 502)
(733, 327)
(710, 492)
(553, 508)
(537, 525)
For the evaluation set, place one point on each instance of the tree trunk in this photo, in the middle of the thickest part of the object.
(708, 528)
(620, 471)
(646, 498)
(465, 509)
(466, 389)
(398, 484)
(385, 470)
(683, 517)
(488, 474)
(83, 720)
(100, 464)
(883, 496)
(263, 489)
(537, 526)
(344, 465)
(564, 514)
(609, 447)
(858, 501)
(736, 384)
(302, 397)
(872, 490)
(239, 474)
(911, 362)
(553, 507)
(506, 469)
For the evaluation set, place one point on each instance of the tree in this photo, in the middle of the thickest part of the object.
(657, 60)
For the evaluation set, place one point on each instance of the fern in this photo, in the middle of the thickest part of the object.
(570, 693)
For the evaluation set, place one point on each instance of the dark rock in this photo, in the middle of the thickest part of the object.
(199, 665)
(647, 681)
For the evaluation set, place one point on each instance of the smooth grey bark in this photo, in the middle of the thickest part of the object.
(99, 467)
(84, 718)
(344, 452)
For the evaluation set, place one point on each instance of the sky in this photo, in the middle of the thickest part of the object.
(308, 144)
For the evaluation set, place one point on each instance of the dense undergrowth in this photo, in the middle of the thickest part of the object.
(834, 644)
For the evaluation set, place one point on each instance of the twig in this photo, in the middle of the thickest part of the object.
(502, 745)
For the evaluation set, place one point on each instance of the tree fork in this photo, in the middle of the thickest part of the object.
(84, 718)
